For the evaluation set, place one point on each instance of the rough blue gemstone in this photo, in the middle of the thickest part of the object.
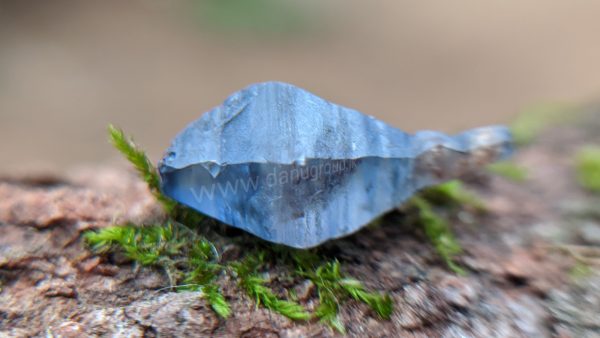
(293, 168)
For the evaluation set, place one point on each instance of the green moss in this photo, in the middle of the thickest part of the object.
(451, 194)
(532, 121)
(588, 168)
(149, 174)
(185, 257)
(449, 197)
(380, 303)
(141, 163)
(580, 270)
(509, 170)
(334, 288)
(254, 285)
(216, 300)
(438, 231)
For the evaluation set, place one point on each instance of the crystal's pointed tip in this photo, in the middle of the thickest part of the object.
(496, 137)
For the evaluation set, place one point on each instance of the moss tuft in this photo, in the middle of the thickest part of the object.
(334, 288)
(580, 270)
(438, 232)
(216, 300)
(530, 123)
(141, 163)
(588, 168)
(254, 285)
(185, 257)
(509, 170)
(452, 194)
(149, 174)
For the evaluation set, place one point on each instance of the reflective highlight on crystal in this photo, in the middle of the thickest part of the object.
(292, 168)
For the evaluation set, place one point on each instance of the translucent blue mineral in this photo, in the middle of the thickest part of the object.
(293, 168)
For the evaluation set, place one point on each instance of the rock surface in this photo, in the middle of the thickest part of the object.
(518, 284)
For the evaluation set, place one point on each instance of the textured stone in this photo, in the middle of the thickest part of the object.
(292, 168)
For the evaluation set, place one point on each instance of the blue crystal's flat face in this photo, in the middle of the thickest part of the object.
(292, 168)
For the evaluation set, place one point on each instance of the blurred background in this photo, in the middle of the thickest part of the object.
(69, 68)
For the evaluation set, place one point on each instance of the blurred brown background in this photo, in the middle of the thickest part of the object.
(68, 68)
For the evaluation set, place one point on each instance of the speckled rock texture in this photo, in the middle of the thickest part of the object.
(518, 282)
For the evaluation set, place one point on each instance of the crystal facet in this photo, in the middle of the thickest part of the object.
(293, 168)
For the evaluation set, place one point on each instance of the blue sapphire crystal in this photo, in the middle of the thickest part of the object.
(293, 168)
